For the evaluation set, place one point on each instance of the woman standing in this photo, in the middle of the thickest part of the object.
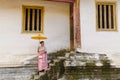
(42, 57)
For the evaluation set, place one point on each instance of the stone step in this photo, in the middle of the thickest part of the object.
(83, 59)
(17, 73)
(23, 72)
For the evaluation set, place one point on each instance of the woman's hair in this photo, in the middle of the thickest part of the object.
(41, 42)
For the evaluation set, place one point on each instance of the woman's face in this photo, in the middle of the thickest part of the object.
(42, 44)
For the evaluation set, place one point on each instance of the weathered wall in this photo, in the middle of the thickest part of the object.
(98, 42)
(95, 41)
(13, 43)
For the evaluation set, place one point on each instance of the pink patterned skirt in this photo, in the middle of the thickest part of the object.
(42, 62)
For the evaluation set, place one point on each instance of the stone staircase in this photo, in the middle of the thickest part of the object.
(19, 73)
(87, 59)
(89, 66)
(76, 63)
(55, 70)
(72, 60)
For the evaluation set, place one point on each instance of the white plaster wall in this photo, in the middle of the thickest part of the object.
(14, 44)
(98, 42)
(93, 41)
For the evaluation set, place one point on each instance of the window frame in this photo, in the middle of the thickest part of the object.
(114, 16)
(23, 18)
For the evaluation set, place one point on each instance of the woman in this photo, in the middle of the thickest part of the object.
(42, 60)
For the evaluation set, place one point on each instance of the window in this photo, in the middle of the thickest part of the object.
(106, 16)
(32, 19)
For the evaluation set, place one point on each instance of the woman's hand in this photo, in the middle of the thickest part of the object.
(39, 56)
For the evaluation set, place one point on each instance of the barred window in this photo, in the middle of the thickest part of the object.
(106, 16)
(32, 19)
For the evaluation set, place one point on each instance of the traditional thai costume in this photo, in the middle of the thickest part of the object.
(42, 58)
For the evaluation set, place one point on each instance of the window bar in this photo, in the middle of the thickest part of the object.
(114, 16)
(33, 19)
(109, 17)
(100, 17)
(105, 20)
(38, 19)
(28, 22)
(105, 27)
(26, 19)
(97, 15)
(31, 10)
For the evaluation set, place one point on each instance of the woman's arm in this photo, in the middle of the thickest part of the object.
(41, 50)
(45, 49)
